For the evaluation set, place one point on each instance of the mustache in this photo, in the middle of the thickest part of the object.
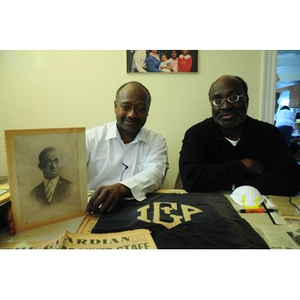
(132, 120)
(229, 112)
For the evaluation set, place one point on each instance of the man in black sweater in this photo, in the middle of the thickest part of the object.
(231, 149)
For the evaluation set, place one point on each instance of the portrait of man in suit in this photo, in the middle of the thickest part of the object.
(47, 171)
(54, 189)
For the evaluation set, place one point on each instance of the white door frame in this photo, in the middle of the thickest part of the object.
(269, 85)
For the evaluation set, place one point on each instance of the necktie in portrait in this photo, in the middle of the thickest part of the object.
(49, 190)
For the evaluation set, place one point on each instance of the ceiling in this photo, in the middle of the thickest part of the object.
(288, 68)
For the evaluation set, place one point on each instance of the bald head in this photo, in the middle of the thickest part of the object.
(131, 108)
(133, 83)
(229, 115)
(225, 78)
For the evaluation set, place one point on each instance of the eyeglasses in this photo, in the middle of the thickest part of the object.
(230, 99)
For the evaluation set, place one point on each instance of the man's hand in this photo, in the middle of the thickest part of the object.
(254, 166)
(106, 198)
(7, 218)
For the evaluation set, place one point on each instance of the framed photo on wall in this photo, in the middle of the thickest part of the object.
(162, 61)
(47, 175)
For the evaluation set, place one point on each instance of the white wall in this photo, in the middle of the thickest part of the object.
(52, 89)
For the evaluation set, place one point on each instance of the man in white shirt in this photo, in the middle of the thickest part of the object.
(125, 160)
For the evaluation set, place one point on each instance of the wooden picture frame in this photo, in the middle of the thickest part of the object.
(36, 154)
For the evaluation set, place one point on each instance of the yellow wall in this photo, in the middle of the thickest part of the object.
(52, 89)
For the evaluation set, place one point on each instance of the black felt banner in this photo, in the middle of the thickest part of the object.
(184, 221)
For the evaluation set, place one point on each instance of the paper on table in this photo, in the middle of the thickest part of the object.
(285, 207)
(132, 239)
(3, 191)
(44, 232)
(280, 237)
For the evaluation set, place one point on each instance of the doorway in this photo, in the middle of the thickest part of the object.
(288, 92)
(281, 71)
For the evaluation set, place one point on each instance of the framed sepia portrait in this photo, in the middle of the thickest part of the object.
(162, 61)
(47, 175)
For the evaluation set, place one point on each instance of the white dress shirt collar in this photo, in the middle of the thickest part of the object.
(53, 180)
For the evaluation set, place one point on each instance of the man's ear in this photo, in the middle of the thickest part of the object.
(40, 166)
(247, 100)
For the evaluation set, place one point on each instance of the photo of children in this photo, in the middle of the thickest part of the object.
(162, 61)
